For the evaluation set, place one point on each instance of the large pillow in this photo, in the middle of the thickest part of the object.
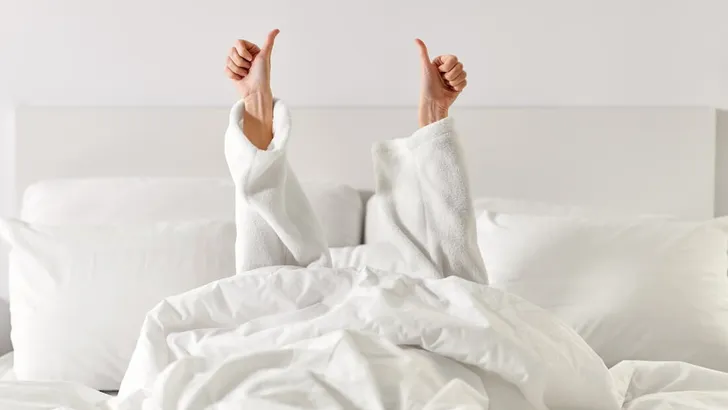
(382, 256)
(375, 233)
(634, 288)
(522, 206)
(79, 294)
(116, 200)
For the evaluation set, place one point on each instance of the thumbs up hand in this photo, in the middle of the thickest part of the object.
(249, 66)
(443, 79)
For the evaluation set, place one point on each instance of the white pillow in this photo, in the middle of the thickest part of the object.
(382, 256)
(79, 294)
(635, 289)
(117, 200)
(521, 206)
(373, 232)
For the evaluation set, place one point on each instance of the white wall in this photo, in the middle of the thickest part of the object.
(330, 52)
(519, 52)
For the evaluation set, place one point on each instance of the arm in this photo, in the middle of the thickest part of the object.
(275, 222)
(422, 195)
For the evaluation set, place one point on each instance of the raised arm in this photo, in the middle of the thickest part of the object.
(422, 202)
(275, 222)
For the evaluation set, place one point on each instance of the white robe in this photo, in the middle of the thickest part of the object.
(422, 196)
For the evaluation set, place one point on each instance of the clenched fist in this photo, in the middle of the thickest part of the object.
(443, 79)
(249, 66)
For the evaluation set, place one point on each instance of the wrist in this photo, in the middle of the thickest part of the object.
(258, 118)
(430, 112)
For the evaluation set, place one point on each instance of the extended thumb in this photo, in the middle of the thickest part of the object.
(269, 41)
(423, 52)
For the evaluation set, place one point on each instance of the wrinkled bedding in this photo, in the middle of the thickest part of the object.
(284, 338)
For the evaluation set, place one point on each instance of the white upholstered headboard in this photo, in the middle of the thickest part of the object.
(660, 160)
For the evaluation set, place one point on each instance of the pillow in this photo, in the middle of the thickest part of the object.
(79, 294)
(382, 256)
(634, 289)
(374, 233)
(117, 200)
(520, 206)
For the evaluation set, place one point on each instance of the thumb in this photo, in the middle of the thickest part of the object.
(268, 45)
(424, 55)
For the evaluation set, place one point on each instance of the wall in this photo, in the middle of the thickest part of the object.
(563, 52)
(518, 52)
(721, 164)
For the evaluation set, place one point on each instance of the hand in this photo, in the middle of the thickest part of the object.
(443, 79)
(249, 67)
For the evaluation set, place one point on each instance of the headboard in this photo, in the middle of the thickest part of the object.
(641, 159)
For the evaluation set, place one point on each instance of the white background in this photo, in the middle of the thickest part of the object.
(517, 52)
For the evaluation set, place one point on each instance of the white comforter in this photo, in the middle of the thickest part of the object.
(291, 332)
(287, 338)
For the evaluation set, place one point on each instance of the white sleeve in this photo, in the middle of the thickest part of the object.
(275, 222)
(423, 199)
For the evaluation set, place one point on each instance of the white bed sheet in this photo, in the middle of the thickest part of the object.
(6, 367)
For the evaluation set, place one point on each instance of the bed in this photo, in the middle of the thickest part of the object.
(153, 163)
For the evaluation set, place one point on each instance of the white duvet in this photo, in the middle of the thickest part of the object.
(291, 332)
(287, 338)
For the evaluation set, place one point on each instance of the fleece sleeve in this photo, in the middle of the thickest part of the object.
(275, 222)
(423, 203)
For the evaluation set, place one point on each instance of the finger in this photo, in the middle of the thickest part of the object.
(456, 71)
(460, 86)
(445, 63)
(268, 45)
(460, 78)
(238, 60)
(245, 49)
(235, 69)
(232, 75)
(424, 55)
